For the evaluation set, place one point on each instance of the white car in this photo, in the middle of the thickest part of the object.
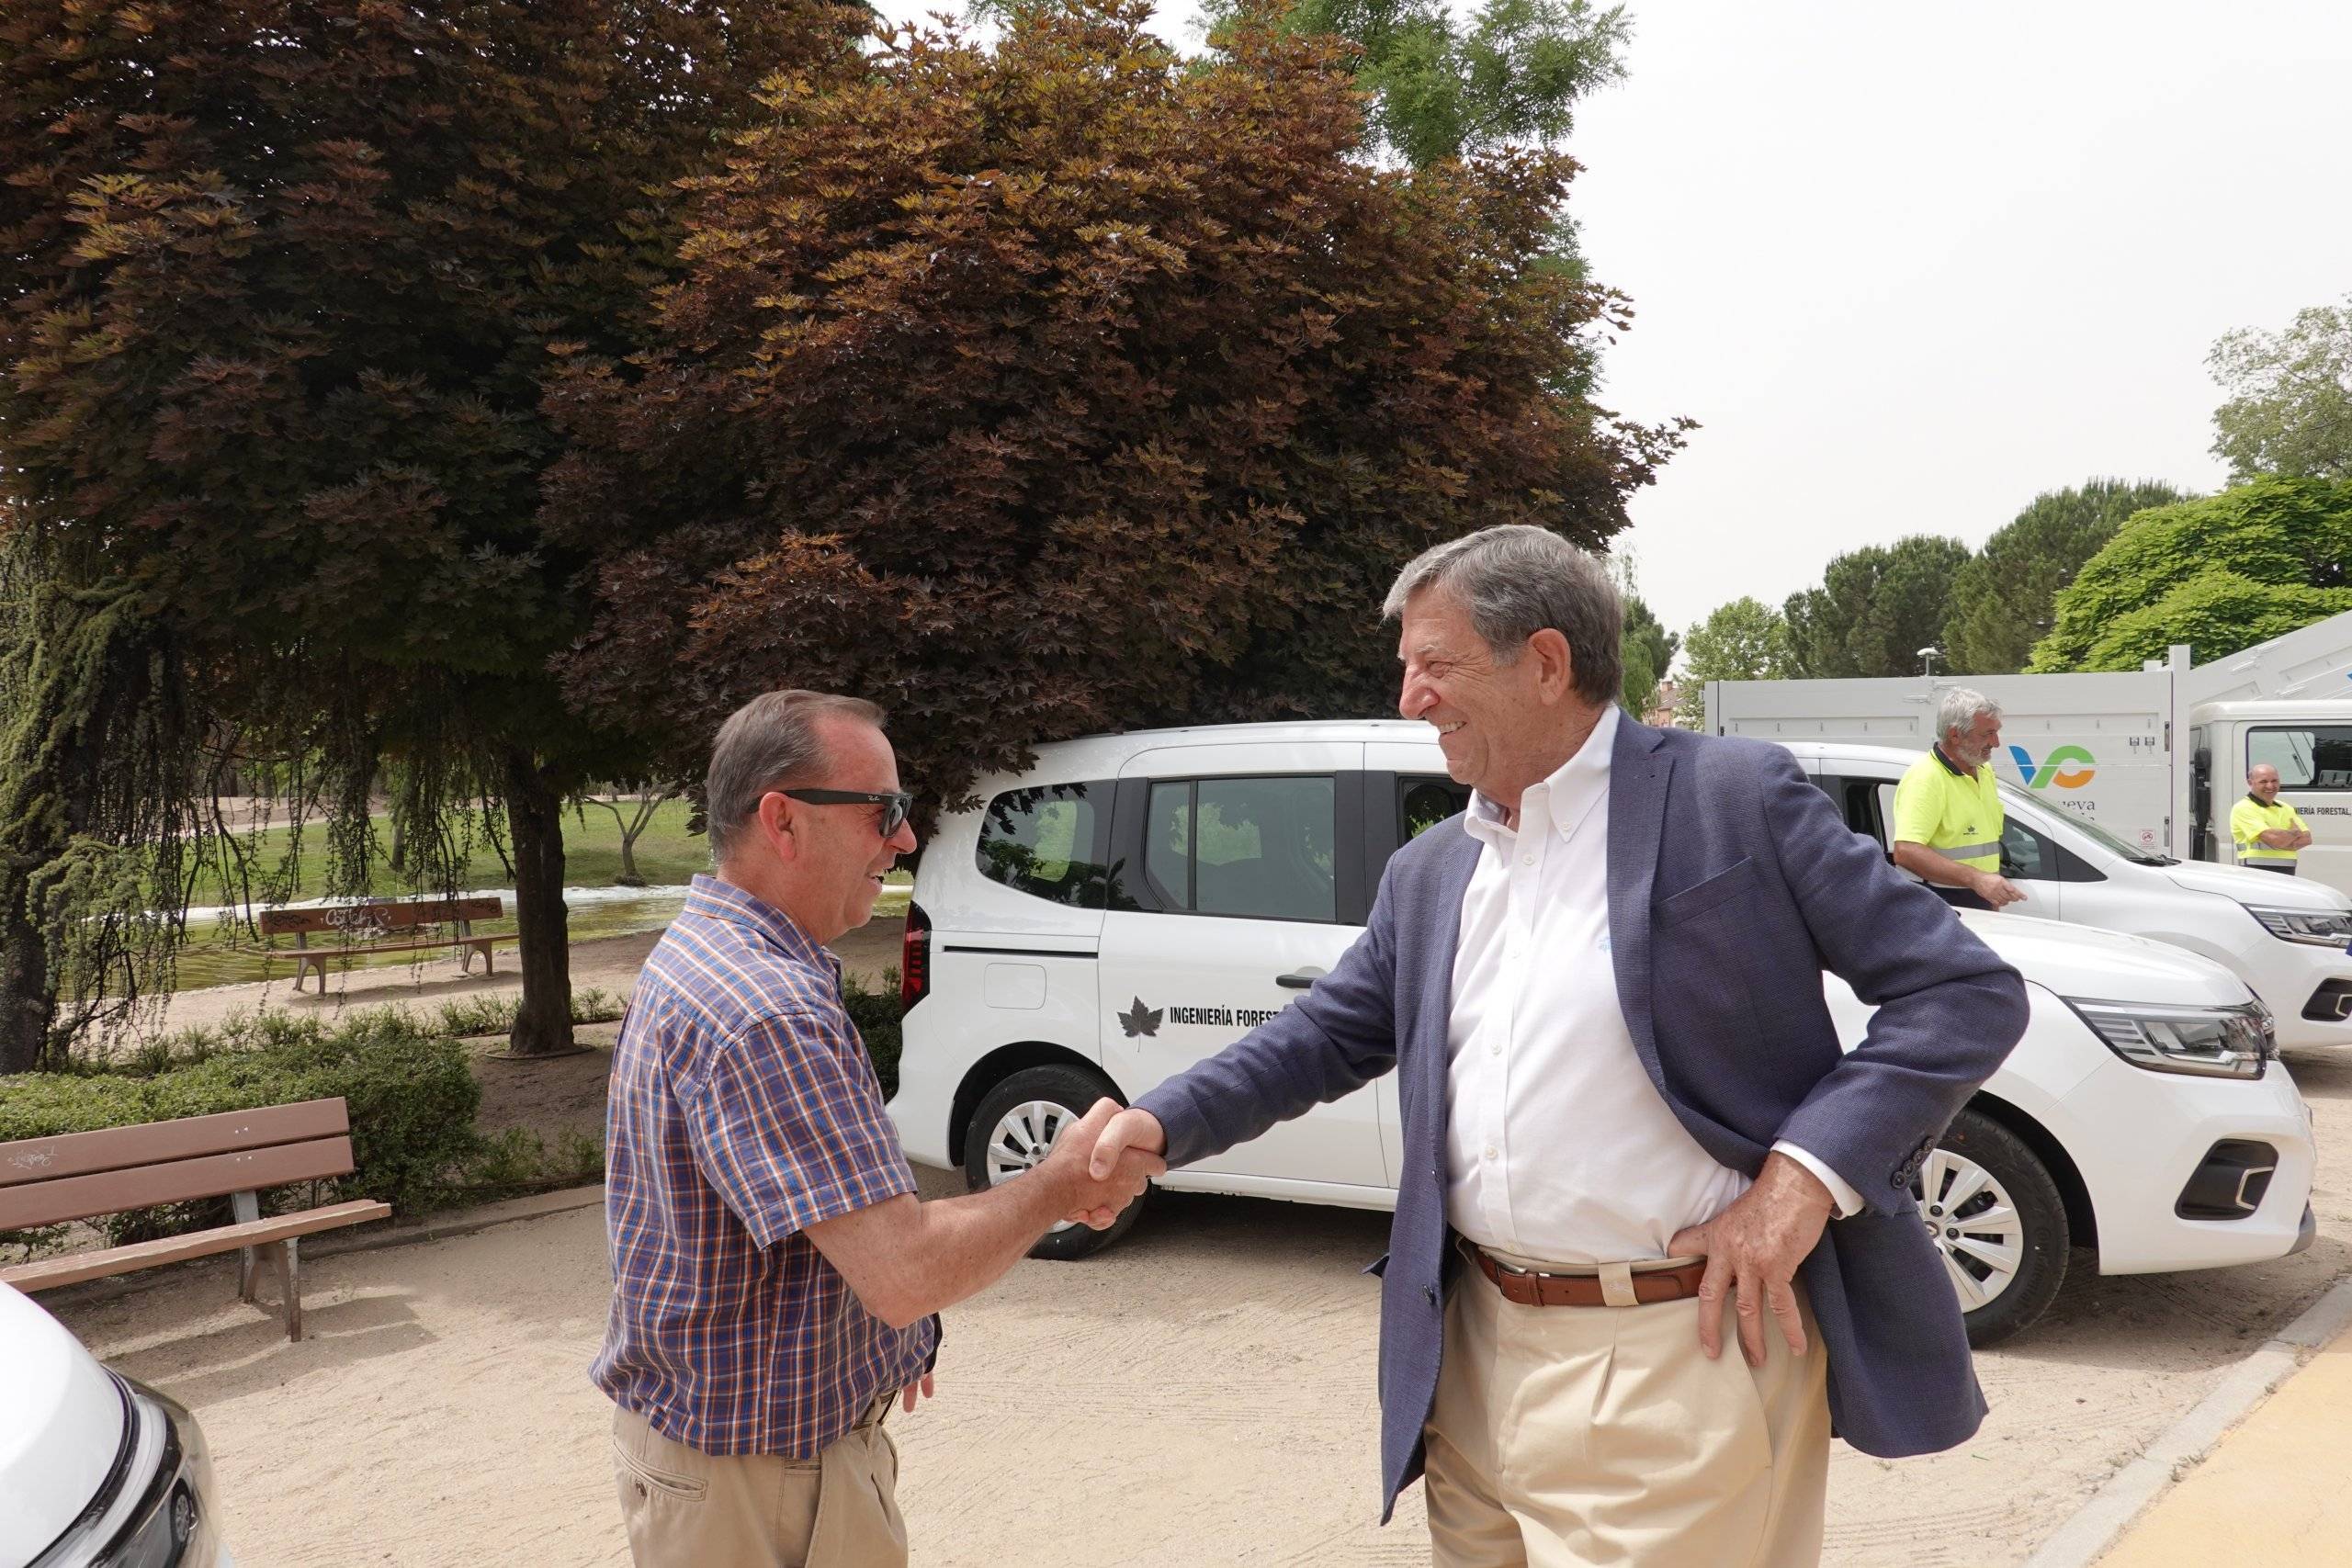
(1135, 903)
(95, 1470)
(2286, 937)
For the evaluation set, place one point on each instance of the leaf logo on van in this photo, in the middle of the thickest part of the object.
(2051, 771)
(1141, 1020)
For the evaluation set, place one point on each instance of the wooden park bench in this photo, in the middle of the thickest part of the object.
(365, 927)
(81, 1175)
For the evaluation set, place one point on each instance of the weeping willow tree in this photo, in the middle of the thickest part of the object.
(278, 285)
(96, 793)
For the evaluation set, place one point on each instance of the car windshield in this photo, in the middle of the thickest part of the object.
(2013, 796)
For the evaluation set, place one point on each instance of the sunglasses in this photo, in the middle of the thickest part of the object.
(895, 804)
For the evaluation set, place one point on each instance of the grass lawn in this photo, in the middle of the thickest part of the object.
(666, 855)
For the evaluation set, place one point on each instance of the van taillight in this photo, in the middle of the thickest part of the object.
(914, 959)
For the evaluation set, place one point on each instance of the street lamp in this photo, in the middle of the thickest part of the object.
(1927, 656)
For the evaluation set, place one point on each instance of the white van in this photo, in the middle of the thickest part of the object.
(2286, 937)
(95, 1470)
(1135, 903)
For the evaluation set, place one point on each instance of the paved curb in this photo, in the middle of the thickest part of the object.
(2094, 1527)
(331, 1244)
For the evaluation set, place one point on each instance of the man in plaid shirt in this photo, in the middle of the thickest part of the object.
(775, 1281)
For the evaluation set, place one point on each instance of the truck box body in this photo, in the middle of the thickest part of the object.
(2155, 756)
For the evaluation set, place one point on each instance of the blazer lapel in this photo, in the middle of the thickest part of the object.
(1638, 778)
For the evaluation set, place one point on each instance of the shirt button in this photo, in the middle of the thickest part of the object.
(1494, 1050)
(1527, 860)
(1490, 1151)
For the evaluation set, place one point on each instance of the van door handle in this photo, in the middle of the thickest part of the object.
(1301, 980)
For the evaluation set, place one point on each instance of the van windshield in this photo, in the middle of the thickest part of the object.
(2012, 797)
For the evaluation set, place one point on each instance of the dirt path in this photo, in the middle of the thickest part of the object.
(1200, 1395)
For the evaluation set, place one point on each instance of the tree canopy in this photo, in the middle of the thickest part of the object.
(1497, 74)
(282, 282)
(2004, 597)
(1647, 649)
(1876, 609)
(2289, 410)
(2219, 574)
(1065, 386)
(1743, 640)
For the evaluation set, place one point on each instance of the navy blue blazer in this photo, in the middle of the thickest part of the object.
(1733, 883)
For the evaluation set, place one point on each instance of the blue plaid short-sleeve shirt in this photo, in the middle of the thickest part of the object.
(745, 1109)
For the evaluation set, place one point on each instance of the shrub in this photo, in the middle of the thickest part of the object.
(494, 1012)
(876, 1014)
(411, 1095)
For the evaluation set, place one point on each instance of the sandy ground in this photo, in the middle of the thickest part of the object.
(1201, 1395)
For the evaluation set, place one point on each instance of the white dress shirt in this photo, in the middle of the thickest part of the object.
(1559, 1147)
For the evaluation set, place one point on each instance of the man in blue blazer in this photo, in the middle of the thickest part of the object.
(1624, 1106)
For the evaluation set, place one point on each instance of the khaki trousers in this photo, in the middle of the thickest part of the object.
(1569, 1437)
(685, 1508)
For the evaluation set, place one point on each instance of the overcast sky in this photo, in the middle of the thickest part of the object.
(1909, 264)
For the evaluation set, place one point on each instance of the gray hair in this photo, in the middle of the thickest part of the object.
(1517, 580)
(770, 741)
(1961, 707)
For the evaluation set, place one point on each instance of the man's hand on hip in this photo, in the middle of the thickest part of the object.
(1754, 1246)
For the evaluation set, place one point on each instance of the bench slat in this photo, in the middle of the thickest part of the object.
(74, 1268)
(388, 915)
(110, 1192)
(154, 1143)
(361, 950)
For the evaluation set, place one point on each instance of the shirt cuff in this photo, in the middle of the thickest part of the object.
(1848, 1201)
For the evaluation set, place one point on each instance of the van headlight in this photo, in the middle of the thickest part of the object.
(2215, 1042)
(2320, 928)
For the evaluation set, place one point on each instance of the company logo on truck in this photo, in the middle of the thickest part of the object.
(2055, 768)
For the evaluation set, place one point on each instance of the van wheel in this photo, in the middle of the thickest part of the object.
(1017, 1123)
(1998, 1224)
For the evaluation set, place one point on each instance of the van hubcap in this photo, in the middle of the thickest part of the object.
(1974, 1226)
(1021, 1139)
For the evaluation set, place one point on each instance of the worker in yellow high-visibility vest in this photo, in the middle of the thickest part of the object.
(2266, 830)
(1947, 816)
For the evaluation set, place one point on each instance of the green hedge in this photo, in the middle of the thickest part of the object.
(408, 1085)
(410, 1096)
(876, 1014)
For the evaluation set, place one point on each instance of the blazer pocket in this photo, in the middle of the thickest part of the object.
(1726, 884)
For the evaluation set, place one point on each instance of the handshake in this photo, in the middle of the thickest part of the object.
(1102, 1163)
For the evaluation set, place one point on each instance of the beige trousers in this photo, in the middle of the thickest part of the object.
(685, 1508)
(1582, 1436)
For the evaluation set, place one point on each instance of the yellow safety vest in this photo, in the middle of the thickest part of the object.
(1956, 815)
(2249, 819)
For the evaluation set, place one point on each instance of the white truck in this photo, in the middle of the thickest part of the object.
(2155, 757)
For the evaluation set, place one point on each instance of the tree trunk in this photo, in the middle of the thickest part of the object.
(534, 822)
(628, 876)
(28, 1005)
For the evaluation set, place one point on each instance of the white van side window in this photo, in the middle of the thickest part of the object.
(1046, 842)
(1249, 848)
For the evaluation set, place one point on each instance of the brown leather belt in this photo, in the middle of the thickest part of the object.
(1530, 1289)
